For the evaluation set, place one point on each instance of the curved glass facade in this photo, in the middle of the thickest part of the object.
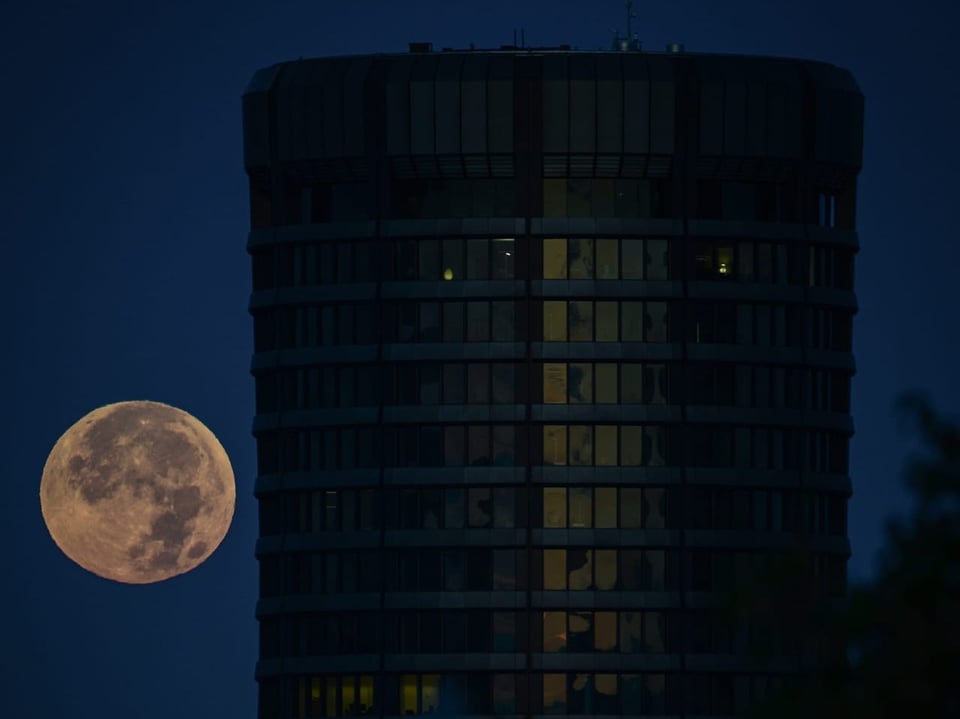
(549, 348)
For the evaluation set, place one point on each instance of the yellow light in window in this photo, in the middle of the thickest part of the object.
(723, 268)
(448, 274)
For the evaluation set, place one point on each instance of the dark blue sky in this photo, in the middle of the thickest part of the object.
(124, 276)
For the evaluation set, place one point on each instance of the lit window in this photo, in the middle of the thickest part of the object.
(555, 507)
(555, 321)
(554, 569)
(554, 444)
(554, 383)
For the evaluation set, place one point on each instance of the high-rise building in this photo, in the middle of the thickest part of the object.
(550, 346)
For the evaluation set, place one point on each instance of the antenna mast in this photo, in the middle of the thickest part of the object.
(629, 41)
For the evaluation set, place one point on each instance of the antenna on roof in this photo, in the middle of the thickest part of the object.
(629, 41)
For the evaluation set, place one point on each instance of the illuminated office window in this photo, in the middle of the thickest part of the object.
(554, 569)
(580, 382)
(580, 252)
(554, 444)
(581, 321)
(608, 261)
(555, 507)
(555, 693)
(554, 631)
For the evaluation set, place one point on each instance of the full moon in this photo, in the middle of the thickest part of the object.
(138, 492)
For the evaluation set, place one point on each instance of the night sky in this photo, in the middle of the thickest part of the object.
(125, 276)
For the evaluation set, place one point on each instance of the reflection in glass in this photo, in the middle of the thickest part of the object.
(554, 259)
(632, 259)
(606, 571)
(478, 321)
(503, 254)
(605, 695)
(631, 383)
(656, 321)
(554, 631)
(555, 507)
(653, 631)
(580, 631)
(554, 321)
(631, 442)
(580, 253)
(504, 569)
(581, 505)
(504, 445)
(454, 446)
(606, 383)
(478, 383)
(554, 444)
(605, 500)
(430, 693)
(503, 383)
(579, 568)
(555, 693)
(630, 632)
(607, 322)
(631, 321)
(581, 321)
(581, 445)
(654, 499)
(453, 258)
(606, 445)
(479, 509)
(608, 265)
(580, 386)
(656, 257)
(504, 321)
(605, 631)
(429, 259)
(554, 383)
(554, 569)
(478, 259)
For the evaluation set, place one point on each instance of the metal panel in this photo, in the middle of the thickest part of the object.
(314, 115)
(422, 140)
(734, 111)
(333, 109)
(583, 104)
(711, 107)
(636, 104)
(473, 94)
(556, 107)
(500, 103)
(291, 126)
(353, 107)
(447, 104)
(662, 104)
(609, 104)
(398, 106)
(756, 117)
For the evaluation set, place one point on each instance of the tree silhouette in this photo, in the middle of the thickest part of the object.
(891, 647)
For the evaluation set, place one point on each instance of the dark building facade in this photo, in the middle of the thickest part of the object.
(550, 347)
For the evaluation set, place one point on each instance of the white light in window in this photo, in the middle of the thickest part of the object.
(723, 268)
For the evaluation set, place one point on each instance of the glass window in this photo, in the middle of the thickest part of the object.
(479, 507)
(581, 445)
(453, 259)
(580, 383)
(554, 693)
(555, 507)
(478, 383)
(631, 442)
(503, 254)
(454, 446)
(581, 506)
(454, 384)
(504, 321)
(632, 259)
(579, 568)
(453, 322)
(656, 321)
(604, 631)
(581, 321)
(478, 321)
(478, 448)
(430, 696)
(631, 383)
(606, 383)
(554, 383)
(580, 252)
(631, 322)
(429, 259)
(554, 444)
(654, 501)
(580, 631)
(631, 632)
(504, 445)
(608, 265)
(606, 569)
(631, 508)
(478, 259)
(503, 383)
(725, 262)
(554, 569)
(656, 260)
(606, 445)
(554, 259)
(453, 508)
(554, 321)
(607, 322)
(605, 499)
(554, 631)
(555, 197)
